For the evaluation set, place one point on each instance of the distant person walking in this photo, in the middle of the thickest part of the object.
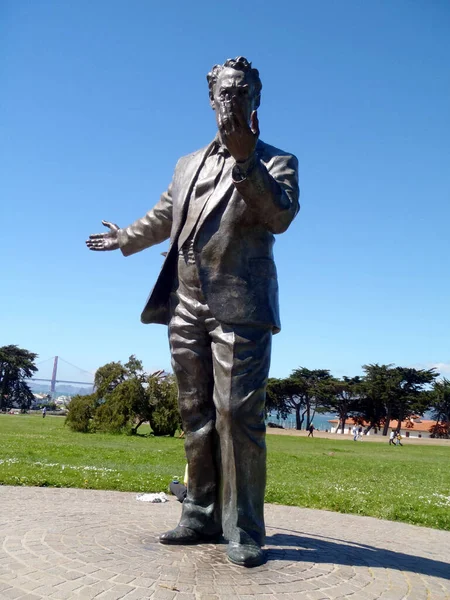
(354, 433)
(311, 430)
(392, 438)
(398, 439)
(44, 412)
(360, 433)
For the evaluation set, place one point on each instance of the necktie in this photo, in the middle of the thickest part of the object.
(210, 174)
(204, 187)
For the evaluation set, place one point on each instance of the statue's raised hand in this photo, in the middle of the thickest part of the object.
(104, 241)
(239, 136)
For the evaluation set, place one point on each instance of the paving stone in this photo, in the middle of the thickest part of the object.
(12, 593)
(68, 587)
(121, 578)
(103, 545)
(116, 593)
(43, 591)
(315, 595)
(162, 594)
(144, 582)
(62, 595)
(92, 591)
(139, 594)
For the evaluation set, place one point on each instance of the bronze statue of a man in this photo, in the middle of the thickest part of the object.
(218, 293)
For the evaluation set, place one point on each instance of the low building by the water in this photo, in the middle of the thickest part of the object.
(414, 427)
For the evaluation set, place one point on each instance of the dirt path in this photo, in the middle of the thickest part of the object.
(348, 436)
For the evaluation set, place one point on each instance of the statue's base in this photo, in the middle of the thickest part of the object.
(67, 543)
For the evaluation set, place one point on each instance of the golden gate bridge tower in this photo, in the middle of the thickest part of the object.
(54, 377)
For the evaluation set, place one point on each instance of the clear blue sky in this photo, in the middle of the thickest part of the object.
(100, 99)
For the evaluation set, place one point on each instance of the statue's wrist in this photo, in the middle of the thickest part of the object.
(243, 168)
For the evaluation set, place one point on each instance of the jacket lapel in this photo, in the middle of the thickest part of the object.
(188, 178)
(220, 191)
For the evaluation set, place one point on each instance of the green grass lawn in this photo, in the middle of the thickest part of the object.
(410, 484)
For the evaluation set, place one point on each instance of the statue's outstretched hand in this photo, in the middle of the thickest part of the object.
(104, 241)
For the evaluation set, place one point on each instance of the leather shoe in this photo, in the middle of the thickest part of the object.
(184, 535)
(245, 555)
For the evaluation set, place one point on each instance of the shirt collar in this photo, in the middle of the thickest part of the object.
(219, 148)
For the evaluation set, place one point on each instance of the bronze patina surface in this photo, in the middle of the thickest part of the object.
(218, 294)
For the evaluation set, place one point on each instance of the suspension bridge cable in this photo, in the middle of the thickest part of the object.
(75, 367)
(43, 361)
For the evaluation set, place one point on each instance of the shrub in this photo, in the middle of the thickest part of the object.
(81, 410)
(440, 430)
(163, 394)
(124, 398)
(124, 409)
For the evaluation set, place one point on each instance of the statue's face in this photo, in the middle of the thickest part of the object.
(233, 92)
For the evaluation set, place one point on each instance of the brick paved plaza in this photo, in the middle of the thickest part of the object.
(83, 544)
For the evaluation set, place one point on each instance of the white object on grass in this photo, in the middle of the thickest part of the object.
(161, 497)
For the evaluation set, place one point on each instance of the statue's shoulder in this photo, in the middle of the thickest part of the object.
(194, 155)
(267, 152)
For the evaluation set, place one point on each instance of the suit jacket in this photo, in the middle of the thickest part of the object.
(233, 238)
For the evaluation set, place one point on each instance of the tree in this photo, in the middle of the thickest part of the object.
(376, 396)
(440, 405)
(390, 392)
(22, 395)
(302, 393)
(314, 390)
(124, 410)
(412, 396)
(108, 377)
(16, 365)
(163, 398)
(125, 397)
(343, 397)
(371, 406)
(282, 397)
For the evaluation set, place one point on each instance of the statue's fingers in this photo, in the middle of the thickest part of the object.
(255, 123)
(94, 244)
(227, 118)
(223, 127)
(234, 122)
(94, 239)
(239, 116)
(227, 124)
(98, 236)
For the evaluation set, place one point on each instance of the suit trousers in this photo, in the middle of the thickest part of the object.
(221, 372)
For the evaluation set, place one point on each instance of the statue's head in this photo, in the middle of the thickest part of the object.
(235, 82)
